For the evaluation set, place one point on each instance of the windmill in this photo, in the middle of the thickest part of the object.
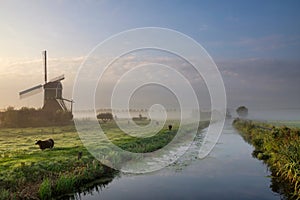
(53, 99)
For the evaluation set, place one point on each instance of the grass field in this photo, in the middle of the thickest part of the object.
(26, 172)
(24, 167)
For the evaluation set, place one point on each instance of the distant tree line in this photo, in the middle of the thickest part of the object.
(140, 110)
(31, 117)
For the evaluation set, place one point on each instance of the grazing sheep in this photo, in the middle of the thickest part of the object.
(170, 127)
(45, 144)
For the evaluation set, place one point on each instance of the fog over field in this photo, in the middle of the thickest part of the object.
(150, 99)
(255, 46)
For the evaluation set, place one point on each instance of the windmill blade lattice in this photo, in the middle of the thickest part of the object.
(31, 91)
(58, 78)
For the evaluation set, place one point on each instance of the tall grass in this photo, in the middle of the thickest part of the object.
(45, 191)
(279, 147)
(65, 184)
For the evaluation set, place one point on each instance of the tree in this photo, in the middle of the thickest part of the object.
(242, 111)
(31, 117)
(62, 117)
(105, 117)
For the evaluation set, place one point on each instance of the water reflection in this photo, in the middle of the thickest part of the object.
(94, 188)
(279, 186)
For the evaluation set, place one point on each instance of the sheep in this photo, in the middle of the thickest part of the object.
(45, 144)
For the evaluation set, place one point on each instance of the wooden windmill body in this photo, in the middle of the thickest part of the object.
(53, 100)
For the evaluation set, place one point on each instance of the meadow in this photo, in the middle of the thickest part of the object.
(279, 147)
(26, 172)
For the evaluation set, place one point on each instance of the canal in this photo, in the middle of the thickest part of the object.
(229, 172)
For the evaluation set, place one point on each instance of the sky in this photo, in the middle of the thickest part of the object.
(255, 44)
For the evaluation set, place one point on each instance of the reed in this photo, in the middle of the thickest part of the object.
(279, 147)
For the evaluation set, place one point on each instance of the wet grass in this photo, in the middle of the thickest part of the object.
(26, 172)
(45, 191)
(279, 147)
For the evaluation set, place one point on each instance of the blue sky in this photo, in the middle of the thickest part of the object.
(256, 44)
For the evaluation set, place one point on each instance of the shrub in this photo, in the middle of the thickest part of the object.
(258, 143)
(242, 111)
(105, 117)
(65, 184)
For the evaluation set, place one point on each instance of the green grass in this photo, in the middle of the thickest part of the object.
(65, 184)
(26, 171)
(45, 191)
(279, 147)
(4, 194)
(23, 166)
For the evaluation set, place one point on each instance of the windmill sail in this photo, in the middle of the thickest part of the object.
(45, 64)
(58, 78)
(53, 99)
(31, 91)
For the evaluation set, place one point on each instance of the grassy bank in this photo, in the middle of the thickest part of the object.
(26, 172)
(279, 147)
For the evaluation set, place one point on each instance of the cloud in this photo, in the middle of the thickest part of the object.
(28, 66)
(229, 73)
(252, 81)
(270, 42)
(270, 46)
(262, 82)
(203, 27)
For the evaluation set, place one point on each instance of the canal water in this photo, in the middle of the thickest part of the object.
(229, 172)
